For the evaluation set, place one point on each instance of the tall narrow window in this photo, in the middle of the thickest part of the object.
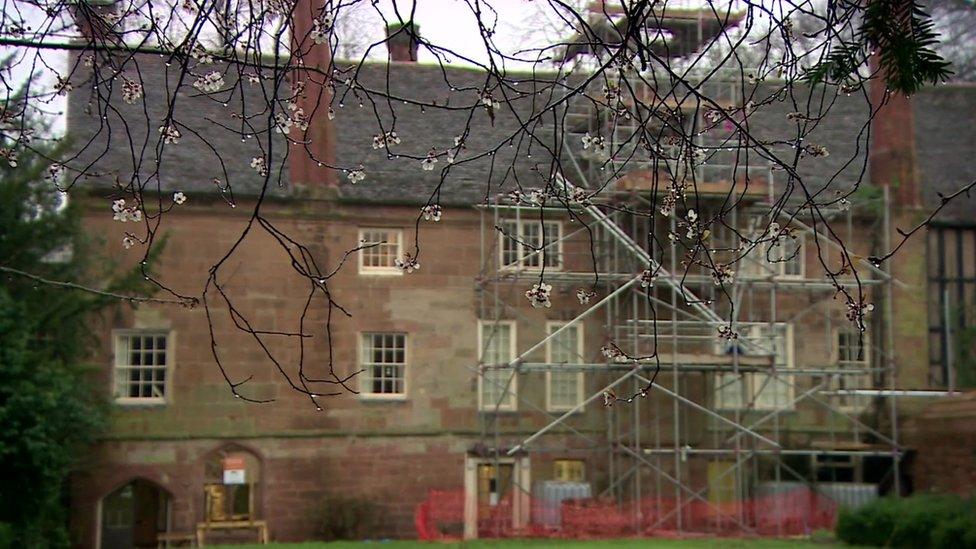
(141, 361)
(564, 389)
(530, 244)
(952, 304)
(787, 257)
(774, 391)
(758, 390)
(498, 384)
(384, 364)
(382, 248)
(852, 362)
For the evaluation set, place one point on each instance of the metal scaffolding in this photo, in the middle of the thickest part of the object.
(729, 416)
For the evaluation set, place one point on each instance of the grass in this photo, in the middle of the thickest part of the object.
(645, 543)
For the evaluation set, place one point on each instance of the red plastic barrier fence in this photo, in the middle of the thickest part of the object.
(796, 512)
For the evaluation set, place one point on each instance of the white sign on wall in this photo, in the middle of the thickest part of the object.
(234, 470)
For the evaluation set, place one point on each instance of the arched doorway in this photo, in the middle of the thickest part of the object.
(133, 515)
(232, 476)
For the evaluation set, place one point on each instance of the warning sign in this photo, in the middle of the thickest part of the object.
(234, 470)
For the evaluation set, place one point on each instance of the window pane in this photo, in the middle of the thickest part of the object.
(140, 366)
(384, 358)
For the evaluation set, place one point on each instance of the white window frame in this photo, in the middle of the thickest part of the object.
(365, 381)
(551, 247)
(551, 327)
(755, 381)
(779, 267)
(169, 367)
(513, 386)
(851, 403)
(383, 270)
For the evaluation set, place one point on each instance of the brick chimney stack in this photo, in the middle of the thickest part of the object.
(403, 41)
(316, 67)
(892, 157)
(89, 16)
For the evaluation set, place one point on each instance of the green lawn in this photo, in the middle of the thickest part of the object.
(646, 543)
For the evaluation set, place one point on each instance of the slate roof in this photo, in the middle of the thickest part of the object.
(403, 180)
(191, 165)
(102, 139)
(842, 130)
(945, 138)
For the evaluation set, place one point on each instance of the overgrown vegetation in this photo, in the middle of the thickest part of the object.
(48, 411)
(920, 521)
(347, 518)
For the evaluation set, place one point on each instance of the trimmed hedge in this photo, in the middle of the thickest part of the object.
(919, 521)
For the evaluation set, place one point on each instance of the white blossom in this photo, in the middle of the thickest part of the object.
(123, 213)
(611, 351)
(9, 155)
(253, 78)
(171, 135)
(201, 55)
(584, 296)
(385, 140)
(54, 172)
(320, 29)
(597, 142)
(407, 264)
(260, 165)
(432, 212)
(726, 332)
(356, 176)
(538, 296)
(128, 242)
(428, 163)
(647, 278)
(537, 197)
(331, 113)
(283, 123)
(722, 274)
(580, 196)
(179, 197)
(209, 83)
(489, 102)
(855, 311)
(131, 90)
(819, 151)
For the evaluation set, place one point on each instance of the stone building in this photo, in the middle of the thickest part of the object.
(432, 413)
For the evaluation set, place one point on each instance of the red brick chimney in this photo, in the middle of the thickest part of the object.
(892, 158)
(403, 41)
(89, 16)
(315, 68)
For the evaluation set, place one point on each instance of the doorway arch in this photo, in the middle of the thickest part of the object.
(133, 515)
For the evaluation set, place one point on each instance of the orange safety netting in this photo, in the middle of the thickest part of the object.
(795, 512)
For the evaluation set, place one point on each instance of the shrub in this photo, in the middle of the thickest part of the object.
(6, 535)
(348, 518)
(919, 521)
